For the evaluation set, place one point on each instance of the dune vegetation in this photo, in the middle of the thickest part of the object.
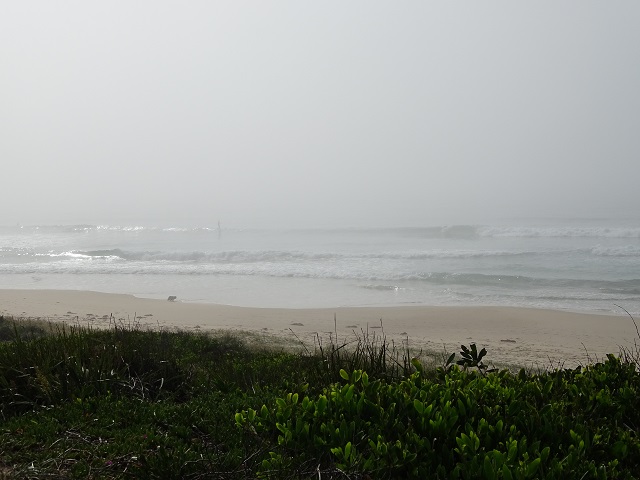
(127, 402)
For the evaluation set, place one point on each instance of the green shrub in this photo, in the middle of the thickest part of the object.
(466, 424)
(154, 404)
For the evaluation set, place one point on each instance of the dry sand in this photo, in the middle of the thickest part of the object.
(512, 336)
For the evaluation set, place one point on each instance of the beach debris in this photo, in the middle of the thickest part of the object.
(298, 324)
(172, 298)
(508, 340)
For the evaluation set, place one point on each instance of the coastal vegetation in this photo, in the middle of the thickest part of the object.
(127, 402)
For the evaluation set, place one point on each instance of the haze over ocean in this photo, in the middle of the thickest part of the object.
(581, 265)
(288, 114)
(358, 153)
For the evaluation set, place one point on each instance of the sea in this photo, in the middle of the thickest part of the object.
(577, 265)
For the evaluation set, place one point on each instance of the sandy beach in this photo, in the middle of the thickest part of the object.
(520, 336)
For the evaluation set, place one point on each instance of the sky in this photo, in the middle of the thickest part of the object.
(302, 114)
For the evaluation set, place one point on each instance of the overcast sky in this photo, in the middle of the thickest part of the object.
(327, 113)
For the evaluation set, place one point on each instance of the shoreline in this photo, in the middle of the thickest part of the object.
(512, 335)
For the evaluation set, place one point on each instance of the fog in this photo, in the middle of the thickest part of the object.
(310, 114)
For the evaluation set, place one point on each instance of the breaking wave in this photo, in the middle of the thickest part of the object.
(248, 256)
(494, 263)
(554, 232)
(620, 251)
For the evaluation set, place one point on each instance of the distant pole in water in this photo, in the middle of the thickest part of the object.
(219, 229)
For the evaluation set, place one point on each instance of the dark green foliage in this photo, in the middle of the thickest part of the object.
(367, 351)
(10, 330)
(153, 404)
(128, 403)
(73, 364)
(471, 358)
(465, 424)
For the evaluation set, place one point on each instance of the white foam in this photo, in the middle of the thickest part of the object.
(552, 266)
(554, 232)
(617, 251)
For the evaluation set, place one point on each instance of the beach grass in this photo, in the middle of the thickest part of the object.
(132, 402)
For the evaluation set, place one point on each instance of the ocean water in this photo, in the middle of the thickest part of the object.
(576, 265)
